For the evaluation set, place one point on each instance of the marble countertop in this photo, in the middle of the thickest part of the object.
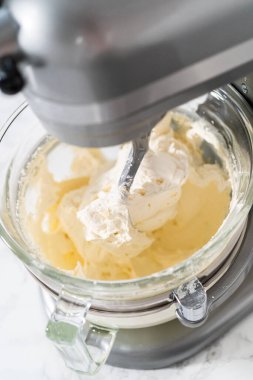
(25, 353)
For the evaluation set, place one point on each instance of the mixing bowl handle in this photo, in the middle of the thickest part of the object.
(83, 345)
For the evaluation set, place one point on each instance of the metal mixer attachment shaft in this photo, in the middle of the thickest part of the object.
(140, 146)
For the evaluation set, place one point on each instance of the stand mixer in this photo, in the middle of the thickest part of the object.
(103, 73)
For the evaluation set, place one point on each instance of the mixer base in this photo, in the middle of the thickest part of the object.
(169, 343)
(164, 345)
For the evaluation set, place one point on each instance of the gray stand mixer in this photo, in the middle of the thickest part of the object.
(102, 73)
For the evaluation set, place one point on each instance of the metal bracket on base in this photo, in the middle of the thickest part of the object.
(191, 303)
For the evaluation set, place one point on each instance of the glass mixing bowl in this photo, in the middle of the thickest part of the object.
(223, 109)
(227, 115)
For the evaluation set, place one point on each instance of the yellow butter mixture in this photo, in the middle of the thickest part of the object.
(72, 213)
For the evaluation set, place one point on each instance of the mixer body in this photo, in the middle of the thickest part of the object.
(99, 73)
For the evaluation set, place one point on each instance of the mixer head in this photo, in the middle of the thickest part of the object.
(100, 73)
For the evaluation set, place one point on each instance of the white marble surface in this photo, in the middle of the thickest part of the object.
(25, 354)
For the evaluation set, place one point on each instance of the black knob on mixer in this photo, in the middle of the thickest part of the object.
(11, 81)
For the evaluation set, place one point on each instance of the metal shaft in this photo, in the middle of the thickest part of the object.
(139, 148)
